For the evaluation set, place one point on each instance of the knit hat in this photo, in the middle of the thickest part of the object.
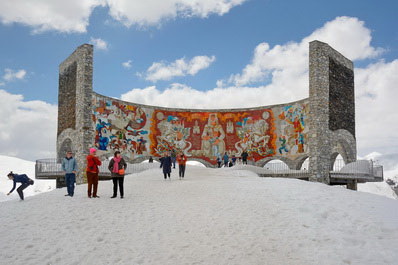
(92, 151)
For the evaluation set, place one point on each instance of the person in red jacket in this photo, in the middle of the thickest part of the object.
(92, 173)
(182, 161)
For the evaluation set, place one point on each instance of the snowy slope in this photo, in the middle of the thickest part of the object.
(214, 216)
(20, 166)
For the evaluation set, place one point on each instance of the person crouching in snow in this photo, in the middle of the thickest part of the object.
(117, 166)
(165, 163)
(92, 172)
(182, 161)
(22, 178)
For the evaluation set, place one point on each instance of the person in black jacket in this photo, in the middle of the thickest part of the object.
(22, 178)
(244, 156)
(117, 166)
(166, 163)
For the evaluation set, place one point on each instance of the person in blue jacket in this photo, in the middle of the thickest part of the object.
(22, 178)
(165, 163)
(69, 166)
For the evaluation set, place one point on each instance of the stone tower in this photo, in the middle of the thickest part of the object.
(332, 110)
(75, 129)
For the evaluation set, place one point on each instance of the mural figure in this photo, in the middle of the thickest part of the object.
(293, 127)
(119, 127)
(230, 127)
(213, 138)
(253, 135)
(283, 147)
(196, 128)
(173, 136)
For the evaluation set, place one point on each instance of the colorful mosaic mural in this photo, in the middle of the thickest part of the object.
(139, 131)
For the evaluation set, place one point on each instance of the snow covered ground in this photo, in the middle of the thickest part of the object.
(20, 166)
(214, 216)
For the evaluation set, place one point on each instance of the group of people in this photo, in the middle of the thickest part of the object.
(229, 162)
(169, 160)
(117, 166)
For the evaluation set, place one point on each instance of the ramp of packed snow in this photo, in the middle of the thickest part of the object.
(214, 216)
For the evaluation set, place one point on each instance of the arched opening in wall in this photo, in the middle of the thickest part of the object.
(305, 164)
(65, 146)
(337, 162)
(276, 165)
(195, 163)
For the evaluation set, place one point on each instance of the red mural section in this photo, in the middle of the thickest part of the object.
(208, 135)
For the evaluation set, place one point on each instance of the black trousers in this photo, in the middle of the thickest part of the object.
(181, 170)
(166, 174)
(21, 188)
(119, 180)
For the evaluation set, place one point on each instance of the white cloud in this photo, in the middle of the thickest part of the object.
(183, 96)
(73, 15)
(285, 68)
(161, 71)
(376, 113)
(287, 63)
(28, 128)
(11, 75)
(127, 64)
(100, 44)
(153, 12)
(44, 15)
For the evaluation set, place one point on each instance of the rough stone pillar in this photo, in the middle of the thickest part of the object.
(332, 107)
(75, 129)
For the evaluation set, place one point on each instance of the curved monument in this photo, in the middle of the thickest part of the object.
(319, 127)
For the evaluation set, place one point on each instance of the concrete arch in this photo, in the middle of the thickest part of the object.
(290, 163)
(299, 162)
(66, 140)
(343, 143)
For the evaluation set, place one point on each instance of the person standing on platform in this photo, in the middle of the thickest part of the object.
(219, 160)
(92, 173)
(182, 161)
(117, 167)
(244, 156)
(173, 157)
(165, 163)
(226, 159)
(69, 165)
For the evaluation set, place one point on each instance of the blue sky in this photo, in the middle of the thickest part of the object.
(217, 48)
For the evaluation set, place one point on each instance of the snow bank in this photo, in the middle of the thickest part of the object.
(20, 166)
(214, 216)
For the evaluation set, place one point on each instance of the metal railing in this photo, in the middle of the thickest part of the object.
(51, 168)
(364, 170)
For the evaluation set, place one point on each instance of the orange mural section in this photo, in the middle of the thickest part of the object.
(208, 135)
(142, 131)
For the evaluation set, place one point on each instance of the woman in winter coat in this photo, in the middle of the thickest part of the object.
(117, 166)
(166, 163)
(92, 173)
(23, 179)
(182, 161)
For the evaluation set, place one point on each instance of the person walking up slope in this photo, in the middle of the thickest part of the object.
(69, 165)
(226, 159)
(182, 161)
(165, 163)
(117, 167)
(25, 180)
(92, 173)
